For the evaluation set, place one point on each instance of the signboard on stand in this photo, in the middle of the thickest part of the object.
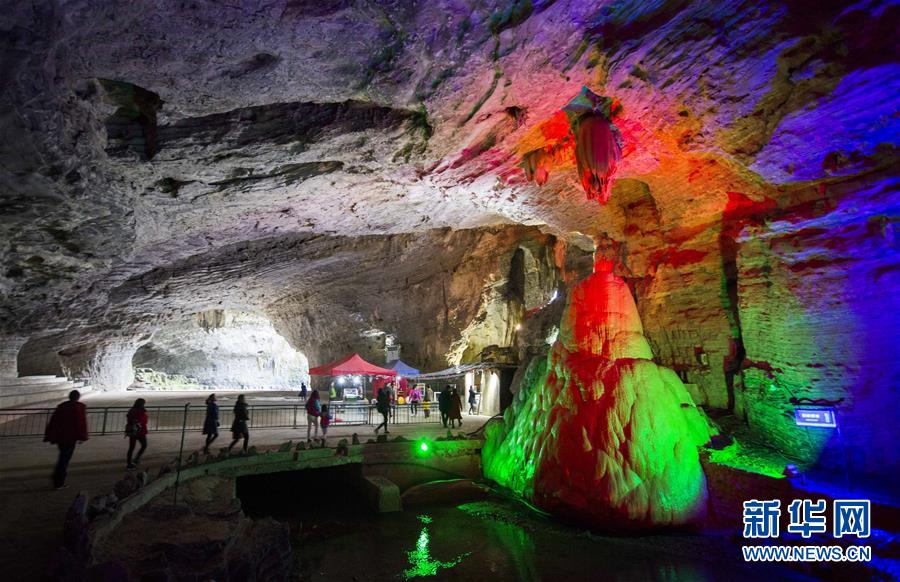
(351, 393)
(816, 417)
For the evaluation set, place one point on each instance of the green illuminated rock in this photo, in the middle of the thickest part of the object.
(599, 432)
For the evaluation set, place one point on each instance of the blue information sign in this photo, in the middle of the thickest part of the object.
(820, 417)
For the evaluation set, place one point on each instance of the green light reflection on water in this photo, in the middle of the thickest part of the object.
(420, 560)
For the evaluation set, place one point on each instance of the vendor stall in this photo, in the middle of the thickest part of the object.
(349, 374)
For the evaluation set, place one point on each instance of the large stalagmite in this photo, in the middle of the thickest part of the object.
(598, 431)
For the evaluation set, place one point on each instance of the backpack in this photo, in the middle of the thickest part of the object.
(133, 428)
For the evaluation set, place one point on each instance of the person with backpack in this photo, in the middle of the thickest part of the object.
(136, 431)
(383, 406)
(473, 399)
(211, 422)
(313, 411)
(67, 428)
(239, 427)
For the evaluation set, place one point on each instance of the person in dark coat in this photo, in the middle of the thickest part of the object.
(456, 406)
(383, 406)
(67, 427)
(136, 431)
(211, 422)
(239, 427)
(303, 391)
(313, 412)
(444, 403)
(473, 399)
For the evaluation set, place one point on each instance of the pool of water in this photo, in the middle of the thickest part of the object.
(500, 540)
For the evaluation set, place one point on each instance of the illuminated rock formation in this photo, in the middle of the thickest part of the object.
(596, 151)
(598, 432)
(597, 148)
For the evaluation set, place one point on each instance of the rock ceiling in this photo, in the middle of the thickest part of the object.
(160, 159)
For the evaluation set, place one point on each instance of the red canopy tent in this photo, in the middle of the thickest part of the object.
(352, 364)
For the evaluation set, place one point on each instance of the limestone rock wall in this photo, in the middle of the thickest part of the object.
(443, 295)
(818, 316)
(103, 366)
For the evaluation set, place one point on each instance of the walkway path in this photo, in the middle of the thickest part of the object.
(31, 512)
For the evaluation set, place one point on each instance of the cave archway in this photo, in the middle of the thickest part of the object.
(37, 357)
(220, 349)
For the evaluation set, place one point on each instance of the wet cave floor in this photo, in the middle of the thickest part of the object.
(499, 539)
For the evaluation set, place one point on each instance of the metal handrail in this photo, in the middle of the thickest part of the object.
(23, 422)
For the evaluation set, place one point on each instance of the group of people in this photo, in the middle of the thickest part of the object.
(450, 406)
(68, 427)
(317, 415)
(68, 424)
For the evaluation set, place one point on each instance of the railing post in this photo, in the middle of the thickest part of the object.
(180, 452)
(105, 412)
(295, 416)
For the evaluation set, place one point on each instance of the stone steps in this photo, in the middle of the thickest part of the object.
(29, 391)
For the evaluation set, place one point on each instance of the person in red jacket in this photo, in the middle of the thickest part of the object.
(136, 431)
(67, 427)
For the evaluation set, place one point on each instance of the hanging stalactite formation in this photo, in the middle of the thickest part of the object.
(597, 142)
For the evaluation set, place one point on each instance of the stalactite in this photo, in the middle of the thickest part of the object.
(597, 152)
(597, 142)
(536, 167)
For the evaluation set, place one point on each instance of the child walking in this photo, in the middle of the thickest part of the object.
(325, 420)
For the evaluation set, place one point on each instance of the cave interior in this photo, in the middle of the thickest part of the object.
(675, 217)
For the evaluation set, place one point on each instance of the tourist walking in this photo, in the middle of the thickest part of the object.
(444, 403)
(211, 422)
(426, 407)
(136, 431)
(473, 399)
(313, 412)
(414, 398)
(303, 391)
(239, 427)
(325, 421)
(456, 406)
(67, 428)
(383, 406)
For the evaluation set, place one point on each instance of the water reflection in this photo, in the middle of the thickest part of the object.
(420, 560)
